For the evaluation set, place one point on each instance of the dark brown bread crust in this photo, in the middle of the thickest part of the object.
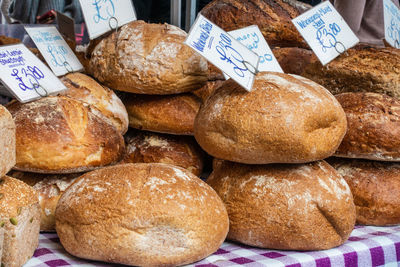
(273, 17)
(373, 127)
(291, 207)
(293, 60)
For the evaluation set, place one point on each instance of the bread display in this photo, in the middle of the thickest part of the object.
(63, 135)
(284, 119)
(293, 60)
(7, 141)
(146, 214)
(20, 219)
(289, 207)
(172, 114)
(273, 17)
(373, 127)
(208, 89)
(148, 59)
(82, 87)
(148, 147)
(364, 69)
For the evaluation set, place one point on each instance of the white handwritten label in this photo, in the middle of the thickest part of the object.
(325, 31)
(253, 39)
(54, 49)
(223, 51)
(102, 16)
(392, 23)
(25, 76)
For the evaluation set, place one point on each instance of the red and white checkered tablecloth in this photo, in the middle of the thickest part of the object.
(367, 246)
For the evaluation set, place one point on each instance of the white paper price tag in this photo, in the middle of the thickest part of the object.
(392, 23)
(325, 31)
(253, 39)
(25, 76)
(54, 49)
(102, 16)
(222, 50)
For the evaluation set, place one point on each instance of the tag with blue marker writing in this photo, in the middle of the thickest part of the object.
(325, 31)
(253, 39)
(102, 16)
(25, 76)
(223, 51)
(392, 23)
(54, 49)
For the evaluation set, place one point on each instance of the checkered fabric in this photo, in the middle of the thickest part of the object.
(367, 246)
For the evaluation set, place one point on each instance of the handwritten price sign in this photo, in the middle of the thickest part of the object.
(325, 31)
(54, 49)
(25, 76)
(102, 16)
(224, 51)
(392, 23)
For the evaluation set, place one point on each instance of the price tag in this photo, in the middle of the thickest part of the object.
(54, 49)
(25, 76)
(102, 16)
(325, 31)
(222, 50)
(391, 16)
(253, 39)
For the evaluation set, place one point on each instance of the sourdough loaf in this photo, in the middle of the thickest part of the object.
(146, 214)
(290, 207)
(7, 141)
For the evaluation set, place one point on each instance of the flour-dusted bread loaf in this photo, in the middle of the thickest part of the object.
(83, 88)
(7, 141)
(273, 17)
(20, 219)
(373, 127)
(375, 187)
(290, 207)
(364, 69)
(63, 135)
(146, 214)
(172, 114)
(49, 187)
(293, 60)
(148, 59)
(284, 119)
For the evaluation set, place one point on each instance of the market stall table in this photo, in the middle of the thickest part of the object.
(367, 246)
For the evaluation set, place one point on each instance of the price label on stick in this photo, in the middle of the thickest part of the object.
(102, 16)
(25, 76)
(325, 31)
(392, 23)
(54, 49)
(224, 51)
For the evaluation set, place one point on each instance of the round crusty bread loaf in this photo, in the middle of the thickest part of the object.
(375, 187)
(148, 147)
(7, 141)
(50, 187)
(284, 119)
(291, 207)
(172, 114)
(63, 135)
(148, 59)
(82, 87)
(146, 214)
(373, 127)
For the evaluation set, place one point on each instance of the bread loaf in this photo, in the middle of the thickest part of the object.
(20, 219)
(290, 207)
(7, 141)
(173, 114)
(148, 59)
(148, 147)
(208, 89)
(293, 59)
(366, 69)
(63, 135)
(141, 214)
(284, 119)
(83, 88)
(373, 127)
(273, 17)
(375, 187)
